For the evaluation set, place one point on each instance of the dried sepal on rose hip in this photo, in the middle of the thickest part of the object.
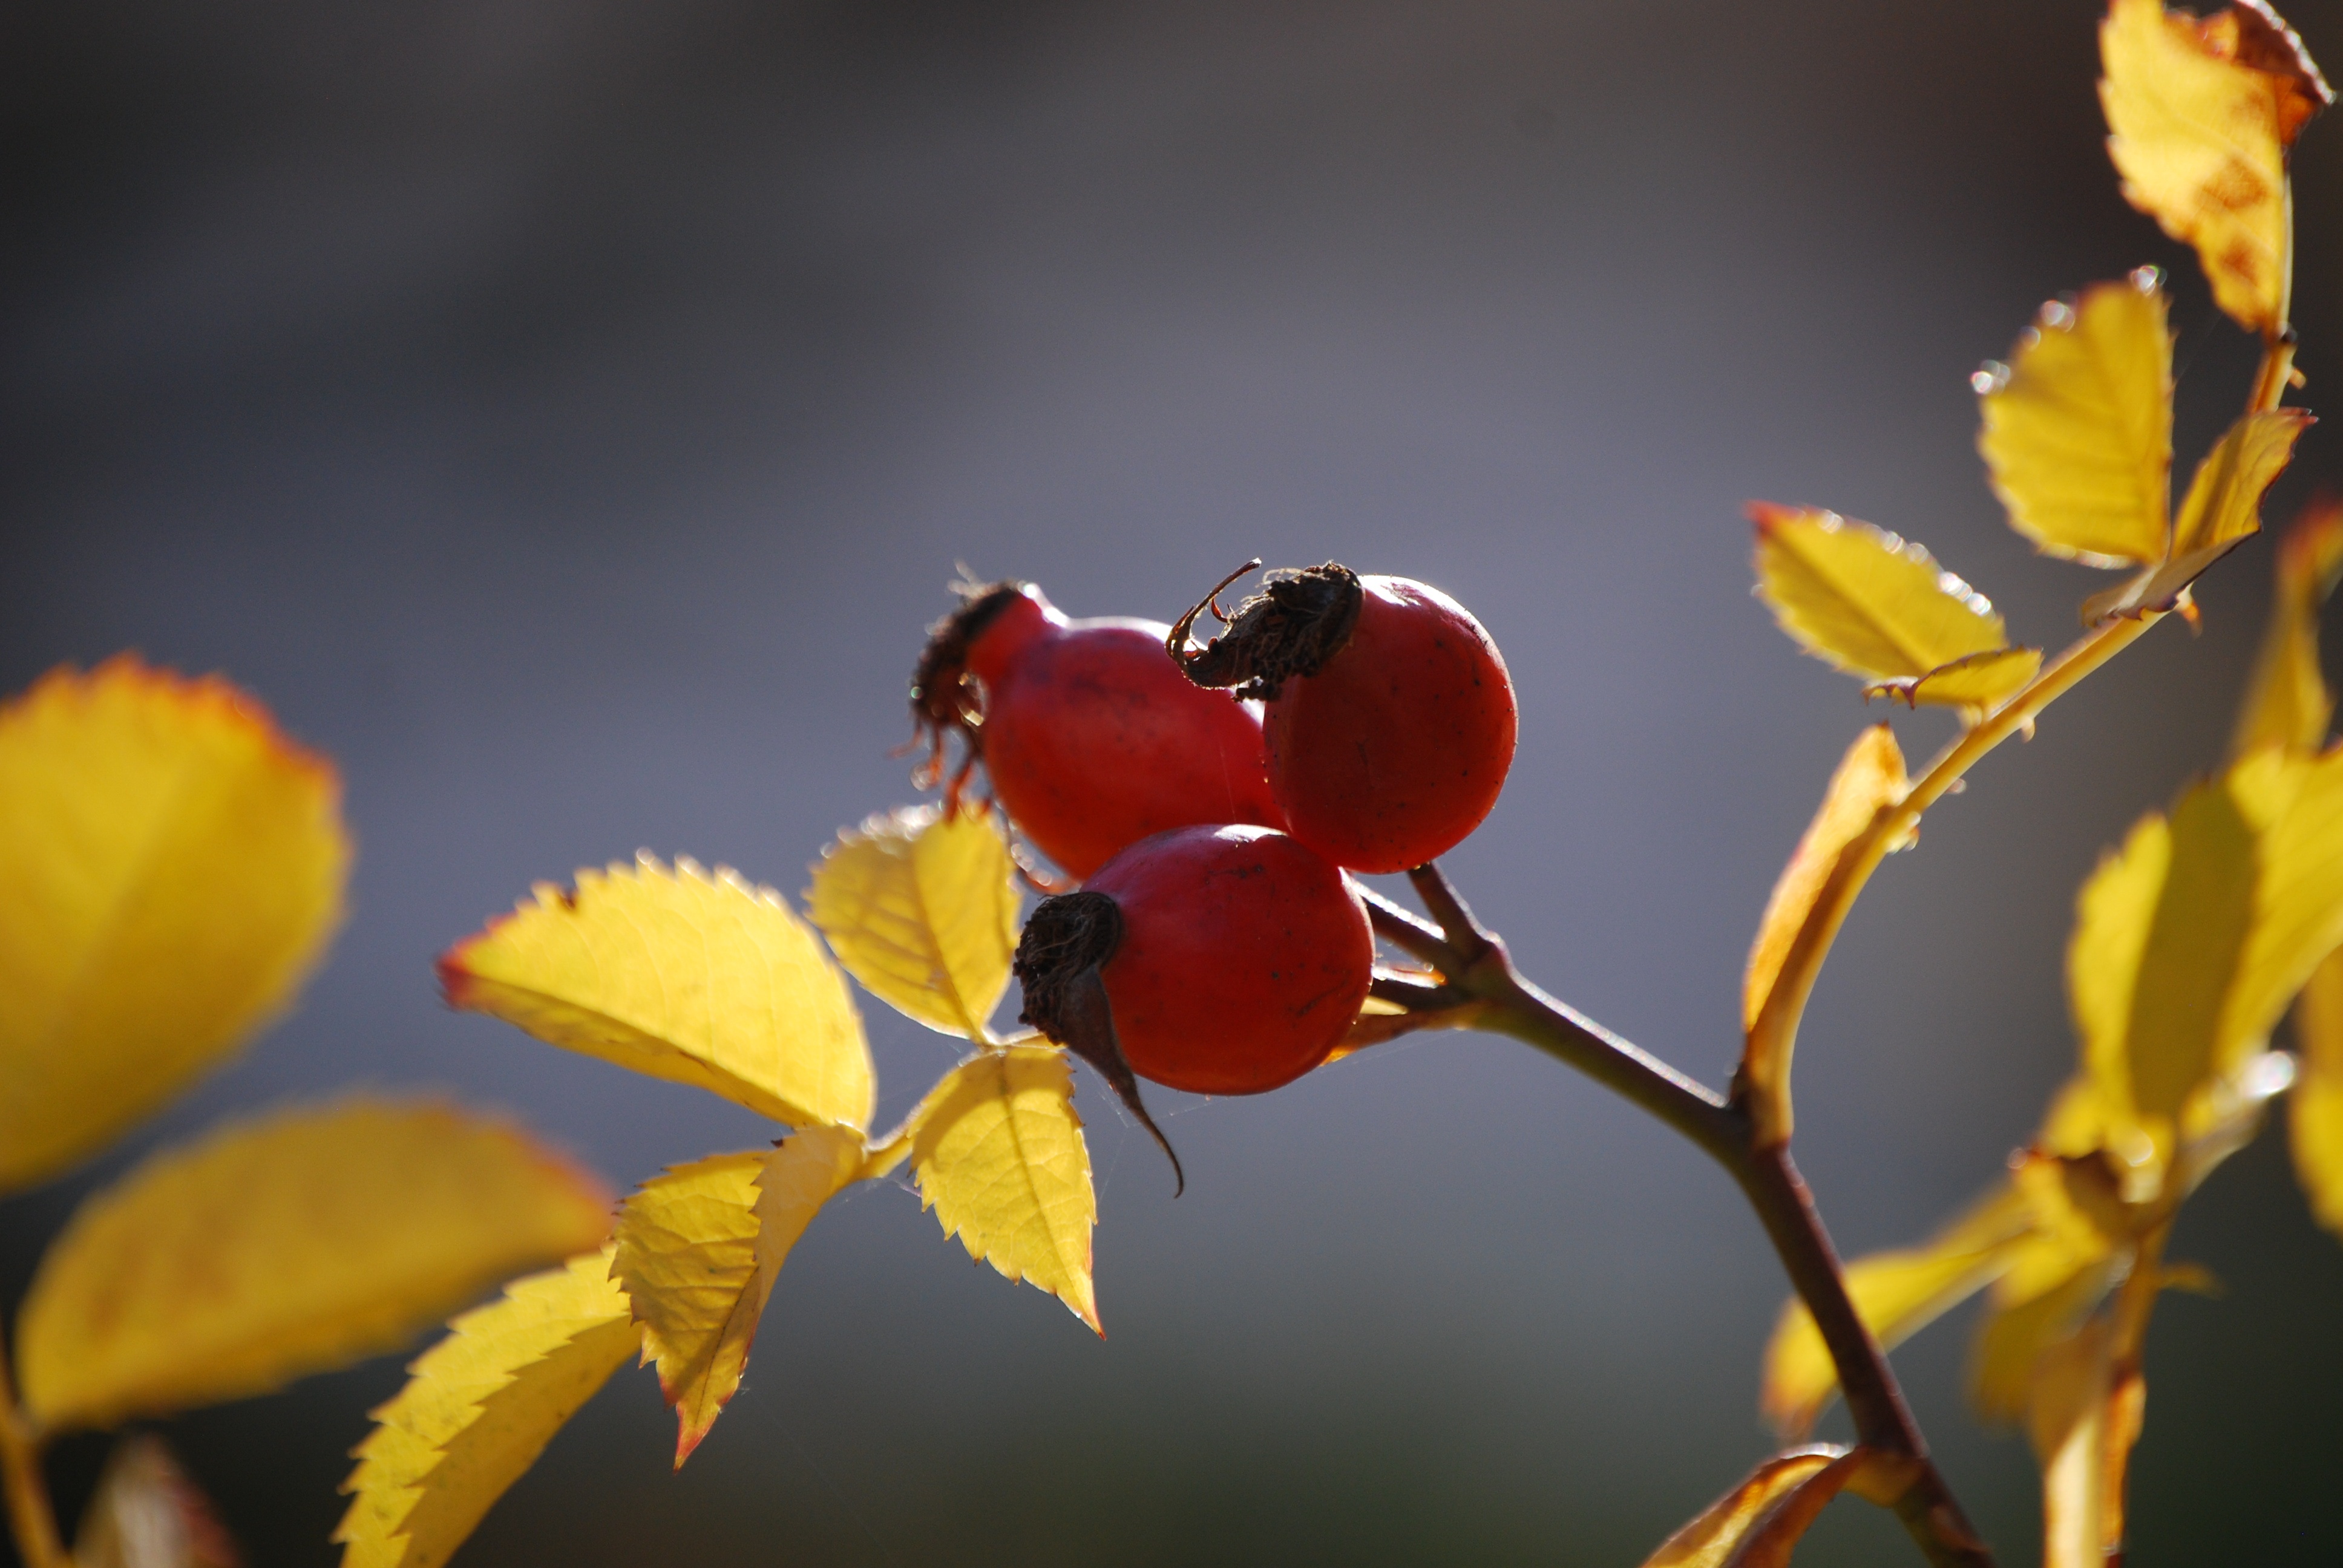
(1091, 743)
(1389, 715)
(1220, 960)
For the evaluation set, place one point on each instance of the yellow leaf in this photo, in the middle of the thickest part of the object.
(2316, 1107)
(284, 1246)
(2297, 899)
(2201, 116)
(2082, 1417)
(2202, 914)
(1758, 1523)
(170, 868)
(1865, 600)
(699, 1250)
(2012, 1339)
(1897, 1294)
(679, 975)
(2076, 429)
(146, 1513)
(2224, 496)
(477, 1409)
(1973, 684)
(1869, 778)
(921, 907)
(999, 1151)
(2288, 702)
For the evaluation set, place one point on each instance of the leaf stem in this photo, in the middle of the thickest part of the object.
(31, 1518)
(1512, 1006)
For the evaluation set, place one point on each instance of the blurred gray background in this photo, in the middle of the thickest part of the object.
(569, 416)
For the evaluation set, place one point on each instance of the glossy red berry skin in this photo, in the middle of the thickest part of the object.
(1397, 747)
(1094, 740)
(1244, 957)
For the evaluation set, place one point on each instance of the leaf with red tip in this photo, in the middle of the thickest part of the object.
(681, 975)
(1758, 1522)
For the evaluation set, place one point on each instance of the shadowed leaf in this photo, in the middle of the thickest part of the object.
(146, 1513)
(999, 1152)
(2315, 1110)
(2076, 429)
(1865, 600)
(477, 1409)
(1869, 778)
(1973, 684)
(170, 868)
(1758, 1522)
(2201, 116)
(287, 1246)
(2083, 1418)
(682, 976)
(699, 1251)
(921, 907)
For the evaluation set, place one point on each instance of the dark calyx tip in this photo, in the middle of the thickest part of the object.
(1066, 941)
(1298, 622)
(943, 702)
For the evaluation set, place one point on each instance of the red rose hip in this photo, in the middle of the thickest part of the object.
(1091, 740)
(1388, 716)
(1221, 960)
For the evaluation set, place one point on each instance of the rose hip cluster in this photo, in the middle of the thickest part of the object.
(1216, 943)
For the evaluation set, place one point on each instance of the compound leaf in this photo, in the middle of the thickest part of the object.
(2201, 114)
(1758, 1522)
(478, 1408)
(1898, 1293)
(998, 1151)
(921, 907)
(2288, 702)
(2077, 428)
(699, 1251)
(287, 1246)
(1870, 779)
(170, 868)
(678, 975)
(1865, 600)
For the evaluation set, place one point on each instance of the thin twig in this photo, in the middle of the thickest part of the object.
(31, 1518)
(1409, 933)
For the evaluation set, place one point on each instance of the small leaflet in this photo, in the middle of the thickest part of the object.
(2288, 702)
(171, 868)
(921, 907)
(1870, 779)
(2076, 429)
(1896, 1293)
(678, 975)
(999, 1152)
(699, 1250)
(478, 1408)
(1865, 600)
(2201, 114)
(292, 1244)
(1758, 1522)
(1976, 685)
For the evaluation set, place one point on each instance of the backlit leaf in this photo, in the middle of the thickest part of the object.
(679, 975)
(921, 907)
(699, 1251)
(1897, 1294)
(2288, 702)
(2201, 116)
(1973, 684)
(2077, 428)
(170, 868)
(477, 1409)
(2012, 1340)
(2225, 494)
(2316, 1107)
(1758, 1523)
(999, 1151)
(146, 1513)
(1869, 778)
(1865, 600)
(2083, 1418)
(287, 1246)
